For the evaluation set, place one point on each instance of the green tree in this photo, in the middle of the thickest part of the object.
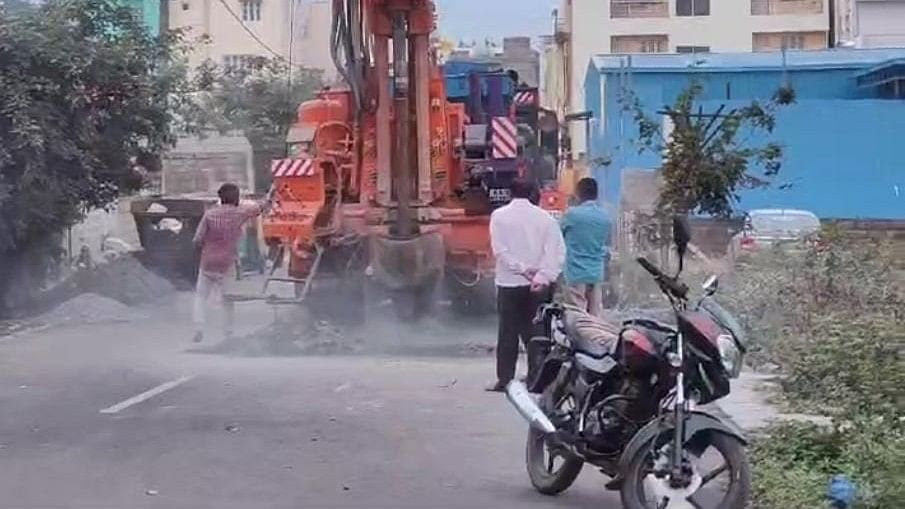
(259, 100)
(83, 91)
(706, 158)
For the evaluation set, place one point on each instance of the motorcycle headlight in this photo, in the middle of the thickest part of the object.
(730, 355)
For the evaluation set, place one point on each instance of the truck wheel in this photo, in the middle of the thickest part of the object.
(475, 300)
(415, 303)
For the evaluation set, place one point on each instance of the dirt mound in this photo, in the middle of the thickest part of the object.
(126, 280)
(123, 279)
(90, 308)
(289, 338)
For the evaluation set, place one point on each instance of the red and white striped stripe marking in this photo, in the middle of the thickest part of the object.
(292, 168)
(504, 138)
(525, 98)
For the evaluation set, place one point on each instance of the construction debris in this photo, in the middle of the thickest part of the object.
(126, 280)
(90, 308)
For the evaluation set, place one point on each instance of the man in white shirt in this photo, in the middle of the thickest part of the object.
(530, 252)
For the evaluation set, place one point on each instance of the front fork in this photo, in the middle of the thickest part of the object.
(677, 362)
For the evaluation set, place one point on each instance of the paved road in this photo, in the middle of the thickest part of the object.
(237, 432)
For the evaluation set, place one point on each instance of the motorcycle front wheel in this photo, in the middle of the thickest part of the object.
(719, 477)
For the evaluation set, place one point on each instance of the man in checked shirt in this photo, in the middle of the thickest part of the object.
(218, 236)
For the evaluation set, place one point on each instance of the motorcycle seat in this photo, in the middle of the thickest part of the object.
(591, 335)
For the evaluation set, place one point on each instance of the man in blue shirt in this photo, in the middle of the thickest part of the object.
(586, 230)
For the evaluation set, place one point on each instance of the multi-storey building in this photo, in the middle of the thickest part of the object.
(237, 32)
(870, 23)
(593, 27)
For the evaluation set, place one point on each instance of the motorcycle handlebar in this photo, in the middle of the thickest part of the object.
(669, 285)
(650, 267)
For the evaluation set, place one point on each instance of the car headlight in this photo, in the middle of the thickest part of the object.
(730, 355)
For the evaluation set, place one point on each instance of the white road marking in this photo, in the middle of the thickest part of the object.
(150, 393)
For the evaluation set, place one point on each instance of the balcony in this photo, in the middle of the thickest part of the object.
(653, 43)
(786, 7)
(639, 9)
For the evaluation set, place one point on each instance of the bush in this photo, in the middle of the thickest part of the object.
(794, 462)
(830, 319)
(789, 299)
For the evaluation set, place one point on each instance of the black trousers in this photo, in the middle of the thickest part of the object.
(516, 307)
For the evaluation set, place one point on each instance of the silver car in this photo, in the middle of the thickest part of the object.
(764, 228)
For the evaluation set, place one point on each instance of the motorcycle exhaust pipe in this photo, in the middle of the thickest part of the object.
(523, 401)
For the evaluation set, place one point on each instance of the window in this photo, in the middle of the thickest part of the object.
(692, 7)
(251, 10)
(780, 7)
(793, 41)
(692, 49)
(777, 41)
(242, 62)
(653, 46)
(639, 9)
(639, 44)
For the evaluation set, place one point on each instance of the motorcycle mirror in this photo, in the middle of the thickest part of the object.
(710, 286)
(681, 234)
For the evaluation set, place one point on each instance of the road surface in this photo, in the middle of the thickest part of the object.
(131, 415)
(125, 416)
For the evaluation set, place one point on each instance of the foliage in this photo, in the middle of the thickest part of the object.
(793, 299)
(705, 160)
(793, 463)
(829, 317)
(83, 91)
(259, 100)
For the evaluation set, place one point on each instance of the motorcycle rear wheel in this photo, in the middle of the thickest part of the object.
(545, 476)
(634, 495)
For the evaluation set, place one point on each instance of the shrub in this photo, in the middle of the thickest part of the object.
(830, 319)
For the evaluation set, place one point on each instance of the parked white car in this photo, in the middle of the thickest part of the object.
(764, 228)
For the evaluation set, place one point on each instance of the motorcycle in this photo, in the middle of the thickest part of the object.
(630, 407)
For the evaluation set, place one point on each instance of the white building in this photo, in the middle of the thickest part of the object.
(594, 27)
(238, 31)
(870, 23)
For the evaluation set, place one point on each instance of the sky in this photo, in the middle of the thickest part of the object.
(477, 19)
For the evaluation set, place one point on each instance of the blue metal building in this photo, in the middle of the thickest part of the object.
(844, 138)
(151, 13)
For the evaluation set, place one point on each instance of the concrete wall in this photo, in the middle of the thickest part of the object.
(311, 46)
(227, 35)
(519, 56)
(843, 158)
(880, 23)
(729, 28)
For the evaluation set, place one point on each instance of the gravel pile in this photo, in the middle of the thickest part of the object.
(126, 280)
(90, 308)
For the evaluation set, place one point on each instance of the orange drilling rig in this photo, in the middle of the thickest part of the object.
(376, 186)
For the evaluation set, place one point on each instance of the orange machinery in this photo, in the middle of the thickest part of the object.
(370, 184)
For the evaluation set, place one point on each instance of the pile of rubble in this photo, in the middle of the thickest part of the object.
(106, 292)
(90, 308)
(124, 279)
(289, 338)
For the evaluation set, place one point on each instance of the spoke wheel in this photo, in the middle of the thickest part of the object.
(718, 478)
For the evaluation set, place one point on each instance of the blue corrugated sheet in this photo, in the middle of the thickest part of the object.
(843, 142)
